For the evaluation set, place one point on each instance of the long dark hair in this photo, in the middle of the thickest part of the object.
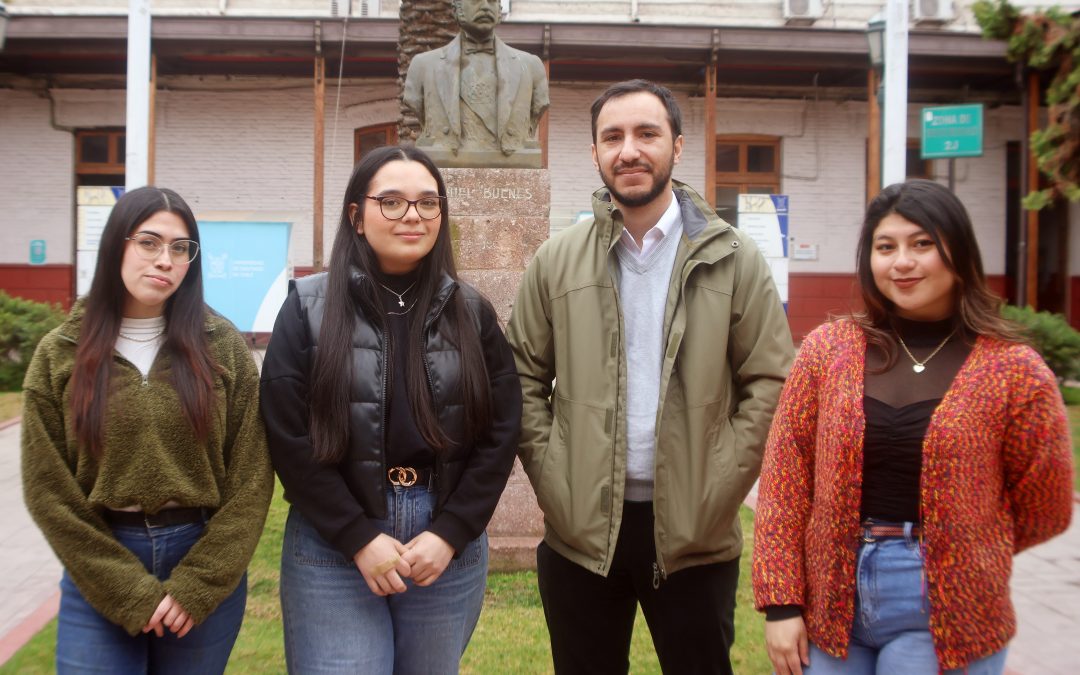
(192, 367)
(331, 376)
(935, 209)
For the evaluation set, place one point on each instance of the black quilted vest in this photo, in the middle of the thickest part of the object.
(364, 464)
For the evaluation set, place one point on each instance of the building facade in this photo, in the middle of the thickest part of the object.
(776, 96)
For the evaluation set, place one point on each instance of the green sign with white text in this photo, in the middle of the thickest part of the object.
(952, 131)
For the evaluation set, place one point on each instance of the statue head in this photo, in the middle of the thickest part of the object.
(478, 18)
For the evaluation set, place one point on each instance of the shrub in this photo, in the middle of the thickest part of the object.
(1053, 337)
(22, 325)
(1071, 396)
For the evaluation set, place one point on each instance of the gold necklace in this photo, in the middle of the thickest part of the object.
(921, 365)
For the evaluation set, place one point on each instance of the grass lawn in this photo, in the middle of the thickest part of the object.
(511, 637)
(10, 404)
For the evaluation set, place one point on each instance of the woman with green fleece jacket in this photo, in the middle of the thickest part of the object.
(144, 456)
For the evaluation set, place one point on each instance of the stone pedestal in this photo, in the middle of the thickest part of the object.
(499, 217)
(528, 157)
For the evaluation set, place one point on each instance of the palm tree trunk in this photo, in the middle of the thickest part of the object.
(423, 25)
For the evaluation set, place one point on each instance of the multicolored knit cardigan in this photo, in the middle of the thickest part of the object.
(996, 479)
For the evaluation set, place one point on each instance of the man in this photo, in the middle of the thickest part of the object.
(478, 100)
(668, 346)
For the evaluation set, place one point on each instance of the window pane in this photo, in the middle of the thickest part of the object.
(916, 166)
(727, 158)
(94, 149)
(762, 190)
(760, 158)
(121, 148)
(727, 202)
(371, 140)
(116, 179)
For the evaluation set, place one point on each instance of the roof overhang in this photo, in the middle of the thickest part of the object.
(772, 59)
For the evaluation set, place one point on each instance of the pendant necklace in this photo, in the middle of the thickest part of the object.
(405, 311)
(921, 365)
(400, 298)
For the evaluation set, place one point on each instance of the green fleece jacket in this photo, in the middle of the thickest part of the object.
(151, 457)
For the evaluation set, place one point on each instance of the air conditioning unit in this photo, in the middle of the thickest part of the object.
(932, 11)
(802, 12)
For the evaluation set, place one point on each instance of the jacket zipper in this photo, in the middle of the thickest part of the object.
(387, 355)
(618, 375)
(427, 371)
(145, 379)
(659, 571)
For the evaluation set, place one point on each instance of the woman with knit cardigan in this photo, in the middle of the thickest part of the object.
(916, 448)
(144, 457)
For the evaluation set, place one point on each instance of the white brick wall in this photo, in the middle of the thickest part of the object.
(37, 172)
(822, 150)
(250, 151)
(823, 146)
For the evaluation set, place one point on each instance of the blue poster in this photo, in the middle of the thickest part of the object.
(245, 270)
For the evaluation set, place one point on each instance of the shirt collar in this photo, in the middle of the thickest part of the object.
(669, 221)
(671, 217)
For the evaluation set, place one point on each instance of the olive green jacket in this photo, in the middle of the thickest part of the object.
(727, 351)
(151, 457)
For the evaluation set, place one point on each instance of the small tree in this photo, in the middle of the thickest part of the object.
(22, 325)
(1049, 41)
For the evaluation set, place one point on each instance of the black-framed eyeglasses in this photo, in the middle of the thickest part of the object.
(394, 208)
(149, 247)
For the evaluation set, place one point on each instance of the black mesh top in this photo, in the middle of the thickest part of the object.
(898, 404)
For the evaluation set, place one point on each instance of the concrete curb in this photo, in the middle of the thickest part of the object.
(21, 634)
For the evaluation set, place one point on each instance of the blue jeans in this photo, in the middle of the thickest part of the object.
(335, 624)
(87, 642)
(891, 632)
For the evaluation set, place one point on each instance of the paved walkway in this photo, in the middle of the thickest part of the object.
(1046, 594)
(29, 572)
(1046, 583)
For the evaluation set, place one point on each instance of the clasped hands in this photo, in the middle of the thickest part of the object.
(169, 615)
(385, 561)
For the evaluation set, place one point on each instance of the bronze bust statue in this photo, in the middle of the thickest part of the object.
(478, 100)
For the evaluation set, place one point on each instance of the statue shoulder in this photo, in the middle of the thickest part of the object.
(431, 57)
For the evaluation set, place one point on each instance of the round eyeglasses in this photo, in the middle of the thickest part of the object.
(149, 247)
(395, 208)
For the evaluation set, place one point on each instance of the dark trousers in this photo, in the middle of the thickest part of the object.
(691, 614)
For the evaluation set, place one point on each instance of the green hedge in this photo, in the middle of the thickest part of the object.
(22, 325)
(1053, 337)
